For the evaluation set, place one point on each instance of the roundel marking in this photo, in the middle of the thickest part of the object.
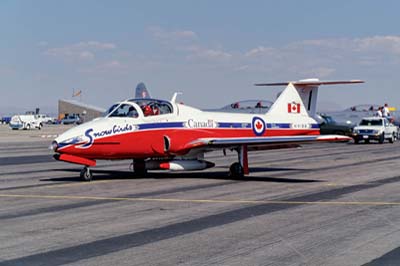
(258, 126)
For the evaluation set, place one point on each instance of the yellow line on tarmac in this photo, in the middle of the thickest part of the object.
(333, 203)
(77, 184)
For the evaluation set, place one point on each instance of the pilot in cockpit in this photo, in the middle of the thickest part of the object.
(132, 112)
(147, 110)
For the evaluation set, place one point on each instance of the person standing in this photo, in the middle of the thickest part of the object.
(385, 110)
(379, 112)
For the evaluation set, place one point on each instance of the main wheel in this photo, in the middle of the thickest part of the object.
(40, 126)
(382, 138)
(28, 126)
(86, 174)
(139, 168)
(236, 170)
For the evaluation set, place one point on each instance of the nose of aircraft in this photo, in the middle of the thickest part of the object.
(54, 146)
(70, 137)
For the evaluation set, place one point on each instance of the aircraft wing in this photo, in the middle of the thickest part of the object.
(264, 142)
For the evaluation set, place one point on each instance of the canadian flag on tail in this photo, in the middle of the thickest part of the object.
(293, 107)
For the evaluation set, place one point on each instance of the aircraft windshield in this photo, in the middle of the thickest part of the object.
(123, 110)
(329, 119)
(372, 122)
(109, 110)
(152, 107)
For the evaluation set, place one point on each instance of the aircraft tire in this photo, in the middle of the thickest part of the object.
(236, 170)
(139, 168)
(86, 174)
(28, 126)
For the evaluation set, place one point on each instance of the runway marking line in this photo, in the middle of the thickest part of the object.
(76, 184)
(333, 203)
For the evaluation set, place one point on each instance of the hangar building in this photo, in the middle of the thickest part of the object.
(85, 111)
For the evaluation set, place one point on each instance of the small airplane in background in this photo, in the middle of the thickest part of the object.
(166, 135)
(245, 106)
(354, 114)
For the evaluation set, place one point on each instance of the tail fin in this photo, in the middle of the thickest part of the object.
(301, 95)
(289, 102)
(141, 91)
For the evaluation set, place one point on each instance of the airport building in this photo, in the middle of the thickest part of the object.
(85, 111)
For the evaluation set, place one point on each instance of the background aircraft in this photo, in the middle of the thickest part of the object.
(354, 114)
(159, 134)
(246, 106)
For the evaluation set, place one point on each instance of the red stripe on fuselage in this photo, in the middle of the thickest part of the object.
(150, 143)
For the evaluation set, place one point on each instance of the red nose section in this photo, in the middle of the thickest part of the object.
(74, 159)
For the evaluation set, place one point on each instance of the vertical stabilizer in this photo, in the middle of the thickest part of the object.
(308, 95)
(289, 102)
(141, 91)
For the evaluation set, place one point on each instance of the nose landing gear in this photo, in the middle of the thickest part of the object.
(86, 174)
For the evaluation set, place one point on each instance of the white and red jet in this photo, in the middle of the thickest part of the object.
(158, 134)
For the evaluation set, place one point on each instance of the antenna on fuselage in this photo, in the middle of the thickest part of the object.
(173, 99)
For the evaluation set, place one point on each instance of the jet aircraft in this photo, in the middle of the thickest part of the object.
(245, 106)
(354, 114)
(160, 134)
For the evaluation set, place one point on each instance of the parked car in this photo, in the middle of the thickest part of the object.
(329, 126)
(45, 119)
(375, 128)
(71, 119)
(25, 122)
(5, 120)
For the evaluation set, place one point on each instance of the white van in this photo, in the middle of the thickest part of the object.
(25, 122)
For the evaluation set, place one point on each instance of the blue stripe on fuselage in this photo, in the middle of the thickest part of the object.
(220, 125)
(161, 125)
(233, 125)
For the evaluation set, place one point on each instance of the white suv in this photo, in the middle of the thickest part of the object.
(375, 128)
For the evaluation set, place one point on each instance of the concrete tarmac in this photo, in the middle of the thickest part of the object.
(321, 204)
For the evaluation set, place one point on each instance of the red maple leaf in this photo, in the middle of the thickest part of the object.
(258, 125)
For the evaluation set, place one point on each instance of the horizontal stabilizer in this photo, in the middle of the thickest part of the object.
(334, 138)
(310, 82)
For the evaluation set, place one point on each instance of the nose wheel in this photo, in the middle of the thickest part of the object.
(86, 174)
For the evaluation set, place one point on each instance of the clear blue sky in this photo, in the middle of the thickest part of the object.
(212, 51)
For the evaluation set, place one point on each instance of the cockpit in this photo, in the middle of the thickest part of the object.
(134, 108)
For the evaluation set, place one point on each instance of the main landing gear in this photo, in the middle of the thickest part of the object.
(86, 174)
(241, 168)
(139, 167)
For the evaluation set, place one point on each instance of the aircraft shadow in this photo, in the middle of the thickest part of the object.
(217, 175)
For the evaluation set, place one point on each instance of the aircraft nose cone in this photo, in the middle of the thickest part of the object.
(54, 146)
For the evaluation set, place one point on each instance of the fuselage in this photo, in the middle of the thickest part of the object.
(128, 132)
